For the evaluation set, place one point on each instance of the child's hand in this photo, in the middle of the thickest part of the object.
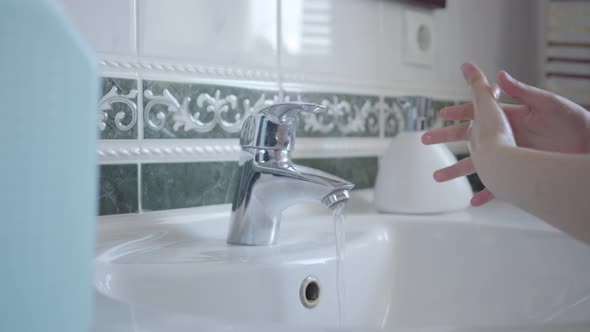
(544, 122)
(534, 156)
(489, 129)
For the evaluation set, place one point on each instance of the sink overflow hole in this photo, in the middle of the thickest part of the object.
(309, 292)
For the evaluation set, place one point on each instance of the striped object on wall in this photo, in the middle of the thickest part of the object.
(567, 67)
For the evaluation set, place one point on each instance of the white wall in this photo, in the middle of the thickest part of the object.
(499, 34)
(357, 46)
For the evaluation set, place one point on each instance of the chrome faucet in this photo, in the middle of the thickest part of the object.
(268, 181)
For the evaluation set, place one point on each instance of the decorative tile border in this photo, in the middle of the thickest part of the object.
(173, 150)
(110, 64)
(392, 118)
(203, 150)
(345, 116)
(179, 110)
(148, 66)
(395, 113)
(118, 112)
(174, 110)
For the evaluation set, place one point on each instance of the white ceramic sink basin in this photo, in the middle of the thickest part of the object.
(440, 273)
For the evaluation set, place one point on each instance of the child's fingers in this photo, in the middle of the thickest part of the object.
(453, 133)
(458, 112)
(490, 123)
(461, 168)
(465, 111)
(496, 91)
(526, 94)
(482, 197)
(476, 80)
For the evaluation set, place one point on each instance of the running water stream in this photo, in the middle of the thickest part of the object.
(340, 243)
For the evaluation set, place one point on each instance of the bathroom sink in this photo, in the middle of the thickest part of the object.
(189, 268)
(400, 272)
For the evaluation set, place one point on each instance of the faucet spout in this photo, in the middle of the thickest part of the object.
(268, 181)
(339, 189)
(265, 191)
(336, 197)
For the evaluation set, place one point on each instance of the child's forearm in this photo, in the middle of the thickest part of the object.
(552, 186)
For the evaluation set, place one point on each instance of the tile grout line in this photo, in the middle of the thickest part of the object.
(139, 200)
(136, 29)
(279, 53)
(381, 104)
(379, 58)
(140, 140)
(140, 118)
(140, 134)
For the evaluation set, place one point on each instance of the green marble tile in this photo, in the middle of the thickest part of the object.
(181, 185)
(117, 118)
(392, 117)
(117, 189)
(183, 110)
(361, 171)
(346, 115)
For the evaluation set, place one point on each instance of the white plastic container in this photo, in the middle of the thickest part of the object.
(404, 182)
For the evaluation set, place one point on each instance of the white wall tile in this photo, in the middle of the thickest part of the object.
(225, 32)
(330, 40)
(108, 25)
(354, 43)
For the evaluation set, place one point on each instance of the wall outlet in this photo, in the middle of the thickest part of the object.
(418, 40)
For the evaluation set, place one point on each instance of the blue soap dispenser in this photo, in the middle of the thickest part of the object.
(49, 93)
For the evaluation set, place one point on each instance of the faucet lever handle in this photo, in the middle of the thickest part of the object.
(287, 112)
(274, 127)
